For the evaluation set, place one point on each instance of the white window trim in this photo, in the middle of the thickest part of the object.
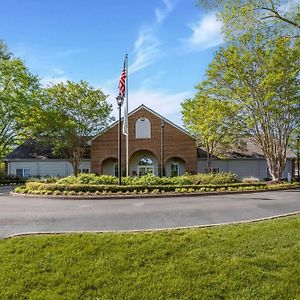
(23, 172)
(142, 119)
(145, 166)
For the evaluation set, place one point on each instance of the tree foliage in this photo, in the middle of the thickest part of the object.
(212, 121)
(18, 94)
(264, 82)
(69, 115)
(244, 18)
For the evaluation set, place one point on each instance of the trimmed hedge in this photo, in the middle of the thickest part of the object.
(62, 189)
(11, 181)
(36, 186)
(150, 180)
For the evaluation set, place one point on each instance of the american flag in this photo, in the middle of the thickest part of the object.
(122, 82)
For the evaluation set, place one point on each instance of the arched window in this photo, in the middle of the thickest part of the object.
(142, 128)
(145, 161)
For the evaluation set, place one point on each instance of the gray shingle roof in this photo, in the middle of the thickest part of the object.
(248, 149)
(32, 149)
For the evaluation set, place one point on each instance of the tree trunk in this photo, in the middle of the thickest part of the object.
(208, 155)
(75, 163)
(274, 151)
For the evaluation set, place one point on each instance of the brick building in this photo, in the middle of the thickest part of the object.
(156, 146)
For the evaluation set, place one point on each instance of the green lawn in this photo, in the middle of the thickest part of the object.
(249, 261)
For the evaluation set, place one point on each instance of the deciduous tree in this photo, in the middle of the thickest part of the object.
(213, 121)
(264, 82)
(70, 114)
(244, 18)
(19, 92)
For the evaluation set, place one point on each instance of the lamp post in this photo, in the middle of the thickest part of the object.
(298, 158)
(162, 150)
(120, 100)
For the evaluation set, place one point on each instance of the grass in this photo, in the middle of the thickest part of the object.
(248, 261)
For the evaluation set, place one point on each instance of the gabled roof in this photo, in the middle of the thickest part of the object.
(33, 149)
(248, 149)
(152, 112)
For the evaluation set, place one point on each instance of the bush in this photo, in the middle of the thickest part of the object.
(85, 188)
(147, 180)
(79, 189)
(89, 179)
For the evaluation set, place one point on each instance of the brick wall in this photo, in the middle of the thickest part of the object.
(176, 143)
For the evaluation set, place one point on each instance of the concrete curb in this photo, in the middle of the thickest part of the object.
(154, 229)
(141, 196)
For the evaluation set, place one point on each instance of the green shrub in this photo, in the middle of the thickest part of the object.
(86, 189)
(147, 180)
(89, 179)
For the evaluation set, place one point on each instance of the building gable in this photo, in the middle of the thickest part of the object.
(149, 110)
(160, 138)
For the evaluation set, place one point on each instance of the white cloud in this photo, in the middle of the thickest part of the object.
(146, 50)
(206, 33)
(162, 13)
(56, 75)
(165, 103)
(48, 80)
(147, 45)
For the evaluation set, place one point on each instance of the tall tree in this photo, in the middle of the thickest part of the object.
(70, 114)
(264, 82)
(18, 94)
(213, 121)
(243, 18)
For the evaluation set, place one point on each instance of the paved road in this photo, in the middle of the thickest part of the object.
(21, 214)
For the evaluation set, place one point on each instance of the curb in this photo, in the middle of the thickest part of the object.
(141, 196)
(154, 229)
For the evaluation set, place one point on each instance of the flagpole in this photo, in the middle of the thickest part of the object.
(127, 135)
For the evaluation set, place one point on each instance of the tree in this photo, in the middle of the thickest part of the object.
(264, 82)
(70, 114)
(212, 121)
(240, 18)
(18, 94)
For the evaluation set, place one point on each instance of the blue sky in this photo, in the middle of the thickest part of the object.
(169, 42)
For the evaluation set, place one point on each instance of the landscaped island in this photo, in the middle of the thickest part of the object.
(92, 185)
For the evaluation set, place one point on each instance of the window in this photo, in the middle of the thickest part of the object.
(145, 166)
(84, 170)
(174, 169)
(142, 128)
(268, 174)
(116, 167)
(23, 173)
(212, 170)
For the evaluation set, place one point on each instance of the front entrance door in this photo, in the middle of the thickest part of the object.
(144, 170)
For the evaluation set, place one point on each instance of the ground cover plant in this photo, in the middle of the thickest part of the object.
(249, 261)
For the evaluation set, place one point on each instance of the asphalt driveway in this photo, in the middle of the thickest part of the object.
(24, 214)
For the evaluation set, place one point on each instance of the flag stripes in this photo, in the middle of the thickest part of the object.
(122, 86)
